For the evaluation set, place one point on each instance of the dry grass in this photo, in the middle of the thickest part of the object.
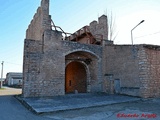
(10, 91)
(2, 88)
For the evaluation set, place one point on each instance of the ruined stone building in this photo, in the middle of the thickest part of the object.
(85, 61)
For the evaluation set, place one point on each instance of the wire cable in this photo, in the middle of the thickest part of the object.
(148, 35)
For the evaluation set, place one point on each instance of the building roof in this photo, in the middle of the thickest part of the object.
(14, 73)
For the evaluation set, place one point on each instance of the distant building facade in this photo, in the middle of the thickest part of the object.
(13, 78)
(85, 61)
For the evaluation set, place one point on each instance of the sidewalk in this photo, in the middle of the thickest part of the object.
(73, 101)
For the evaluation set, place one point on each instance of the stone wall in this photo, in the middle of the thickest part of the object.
(90, 51)
(100, 27)
(44, 65)
(123, 69)
(143, 73)
(40, 22)
(95, 33)
(45, 58)
(150, 72)
(122, 64)
(31, 60)
(137, 68)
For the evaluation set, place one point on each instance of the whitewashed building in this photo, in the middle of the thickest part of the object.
(14, 78)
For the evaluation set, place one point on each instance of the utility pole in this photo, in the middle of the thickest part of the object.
(1, 75)
(133, 29)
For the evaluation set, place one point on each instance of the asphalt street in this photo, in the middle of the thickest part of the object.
(12, 109)
(145, 109)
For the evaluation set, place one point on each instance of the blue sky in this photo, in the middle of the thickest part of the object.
(70, 15)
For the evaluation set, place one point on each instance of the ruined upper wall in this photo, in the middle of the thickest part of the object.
(98, 30)
(40, 22)
(100, 27)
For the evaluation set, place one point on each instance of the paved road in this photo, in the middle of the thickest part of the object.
(75, 101)
(11, 109)
(141, 110)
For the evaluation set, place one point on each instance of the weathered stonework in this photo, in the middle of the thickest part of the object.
(150, 72)
(100, 27)
(137, 68)
(54, 66)
(40, 22)
(44, 67)
(46, 57)
(122, 65)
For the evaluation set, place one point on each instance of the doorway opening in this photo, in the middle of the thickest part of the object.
(75, 78)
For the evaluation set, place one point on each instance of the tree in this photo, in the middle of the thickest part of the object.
(112, 30)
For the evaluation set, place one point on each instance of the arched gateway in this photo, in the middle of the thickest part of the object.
(81, 68)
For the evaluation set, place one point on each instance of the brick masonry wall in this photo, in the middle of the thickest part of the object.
(31, 61)
(121, 62)
(44, 65)
(44, 57)
(137, 68)
(40, 22)
(94, 52)
(143, 73)
(46, 54)
(100, 27)
(150, 73)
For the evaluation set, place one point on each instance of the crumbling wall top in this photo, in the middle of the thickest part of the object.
(100, 27)
(40, 22)
(45, 6)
